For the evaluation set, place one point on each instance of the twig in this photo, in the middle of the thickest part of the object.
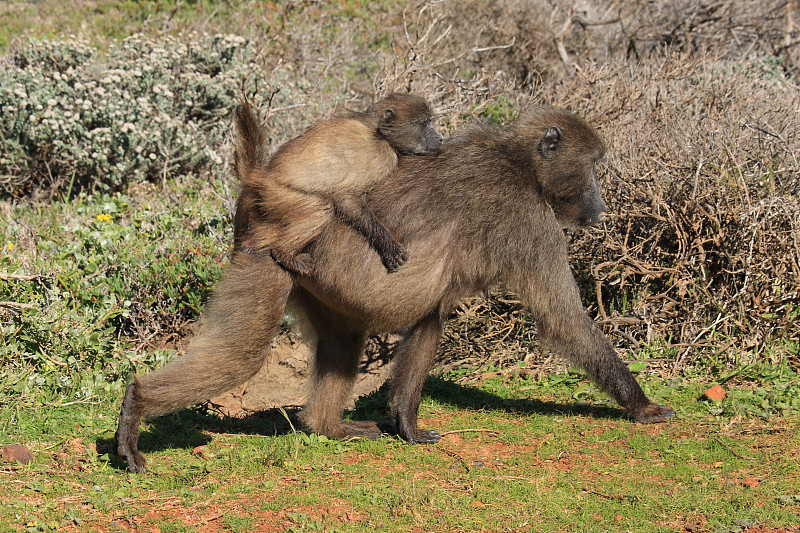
(87, 402)
(692, 344)
(470, 431)
(454, 454)
(17, 305)
(498, 47)
(286, 108)
(5, 275)
(633, 498)
(733, 452)
(211, 518)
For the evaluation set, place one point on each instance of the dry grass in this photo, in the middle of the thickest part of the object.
(703, 188)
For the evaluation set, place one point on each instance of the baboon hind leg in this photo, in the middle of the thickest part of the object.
(335, 369)
(234, 339)
(413, 360)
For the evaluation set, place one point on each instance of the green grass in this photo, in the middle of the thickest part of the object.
(106, 20)
(522, 455)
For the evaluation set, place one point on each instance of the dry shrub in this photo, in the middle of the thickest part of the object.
(702, 181)
(700, 247)
(533, 40)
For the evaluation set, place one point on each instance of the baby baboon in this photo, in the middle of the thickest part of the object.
(487, 210)
(285, 203)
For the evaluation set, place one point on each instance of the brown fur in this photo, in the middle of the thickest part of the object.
(285, 203)
(488, 210)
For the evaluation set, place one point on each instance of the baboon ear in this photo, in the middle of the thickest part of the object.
(388, 117)
(550, 142)
(387, 120)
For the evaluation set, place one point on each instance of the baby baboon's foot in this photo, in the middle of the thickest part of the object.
(394, 256)
(298, 264)
(654, 413)
(360, 430)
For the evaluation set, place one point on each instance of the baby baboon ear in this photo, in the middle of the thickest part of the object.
(550, 142)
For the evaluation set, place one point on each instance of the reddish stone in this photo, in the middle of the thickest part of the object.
(715, 393)
(18, 453)
(202, 451)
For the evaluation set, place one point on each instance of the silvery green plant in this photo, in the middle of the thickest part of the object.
(146, 109)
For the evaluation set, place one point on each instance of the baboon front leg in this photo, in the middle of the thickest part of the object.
(582, 343)
(230, 347)
(566, 329)
(355, 213)
(413, 360)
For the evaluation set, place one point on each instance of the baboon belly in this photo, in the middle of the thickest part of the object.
(350, 279)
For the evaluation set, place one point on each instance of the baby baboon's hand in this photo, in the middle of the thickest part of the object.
(394, 256)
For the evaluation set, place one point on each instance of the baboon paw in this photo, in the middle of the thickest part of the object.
(424, 436)
(136, 461)
(360, 430)
(654, 413)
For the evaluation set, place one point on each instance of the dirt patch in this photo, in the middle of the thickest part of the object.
(283, 380)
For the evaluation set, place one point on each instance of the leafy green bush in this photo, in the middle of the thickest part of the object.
(113, 275)
(146, 110)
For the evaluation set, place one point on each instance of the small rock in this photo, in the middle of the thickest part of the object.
(18, 453)
(715, 393)
(202, 451)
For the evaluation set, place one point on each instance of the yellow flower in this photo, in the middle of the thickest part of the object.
(104, 217)
(10, 246)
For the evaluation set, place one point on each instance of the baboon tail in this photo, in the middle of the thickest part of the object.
(249, 143)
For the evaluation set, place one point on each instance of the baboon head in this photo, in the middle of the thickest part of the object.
(567, 149)
(405, 123)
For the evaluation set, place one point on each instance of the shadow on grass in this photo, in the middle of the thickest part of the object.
(465, 397)
(190, 428)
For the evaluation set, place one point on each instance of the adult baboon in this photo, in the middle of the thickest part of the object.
(287, 199)
(487, 210)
